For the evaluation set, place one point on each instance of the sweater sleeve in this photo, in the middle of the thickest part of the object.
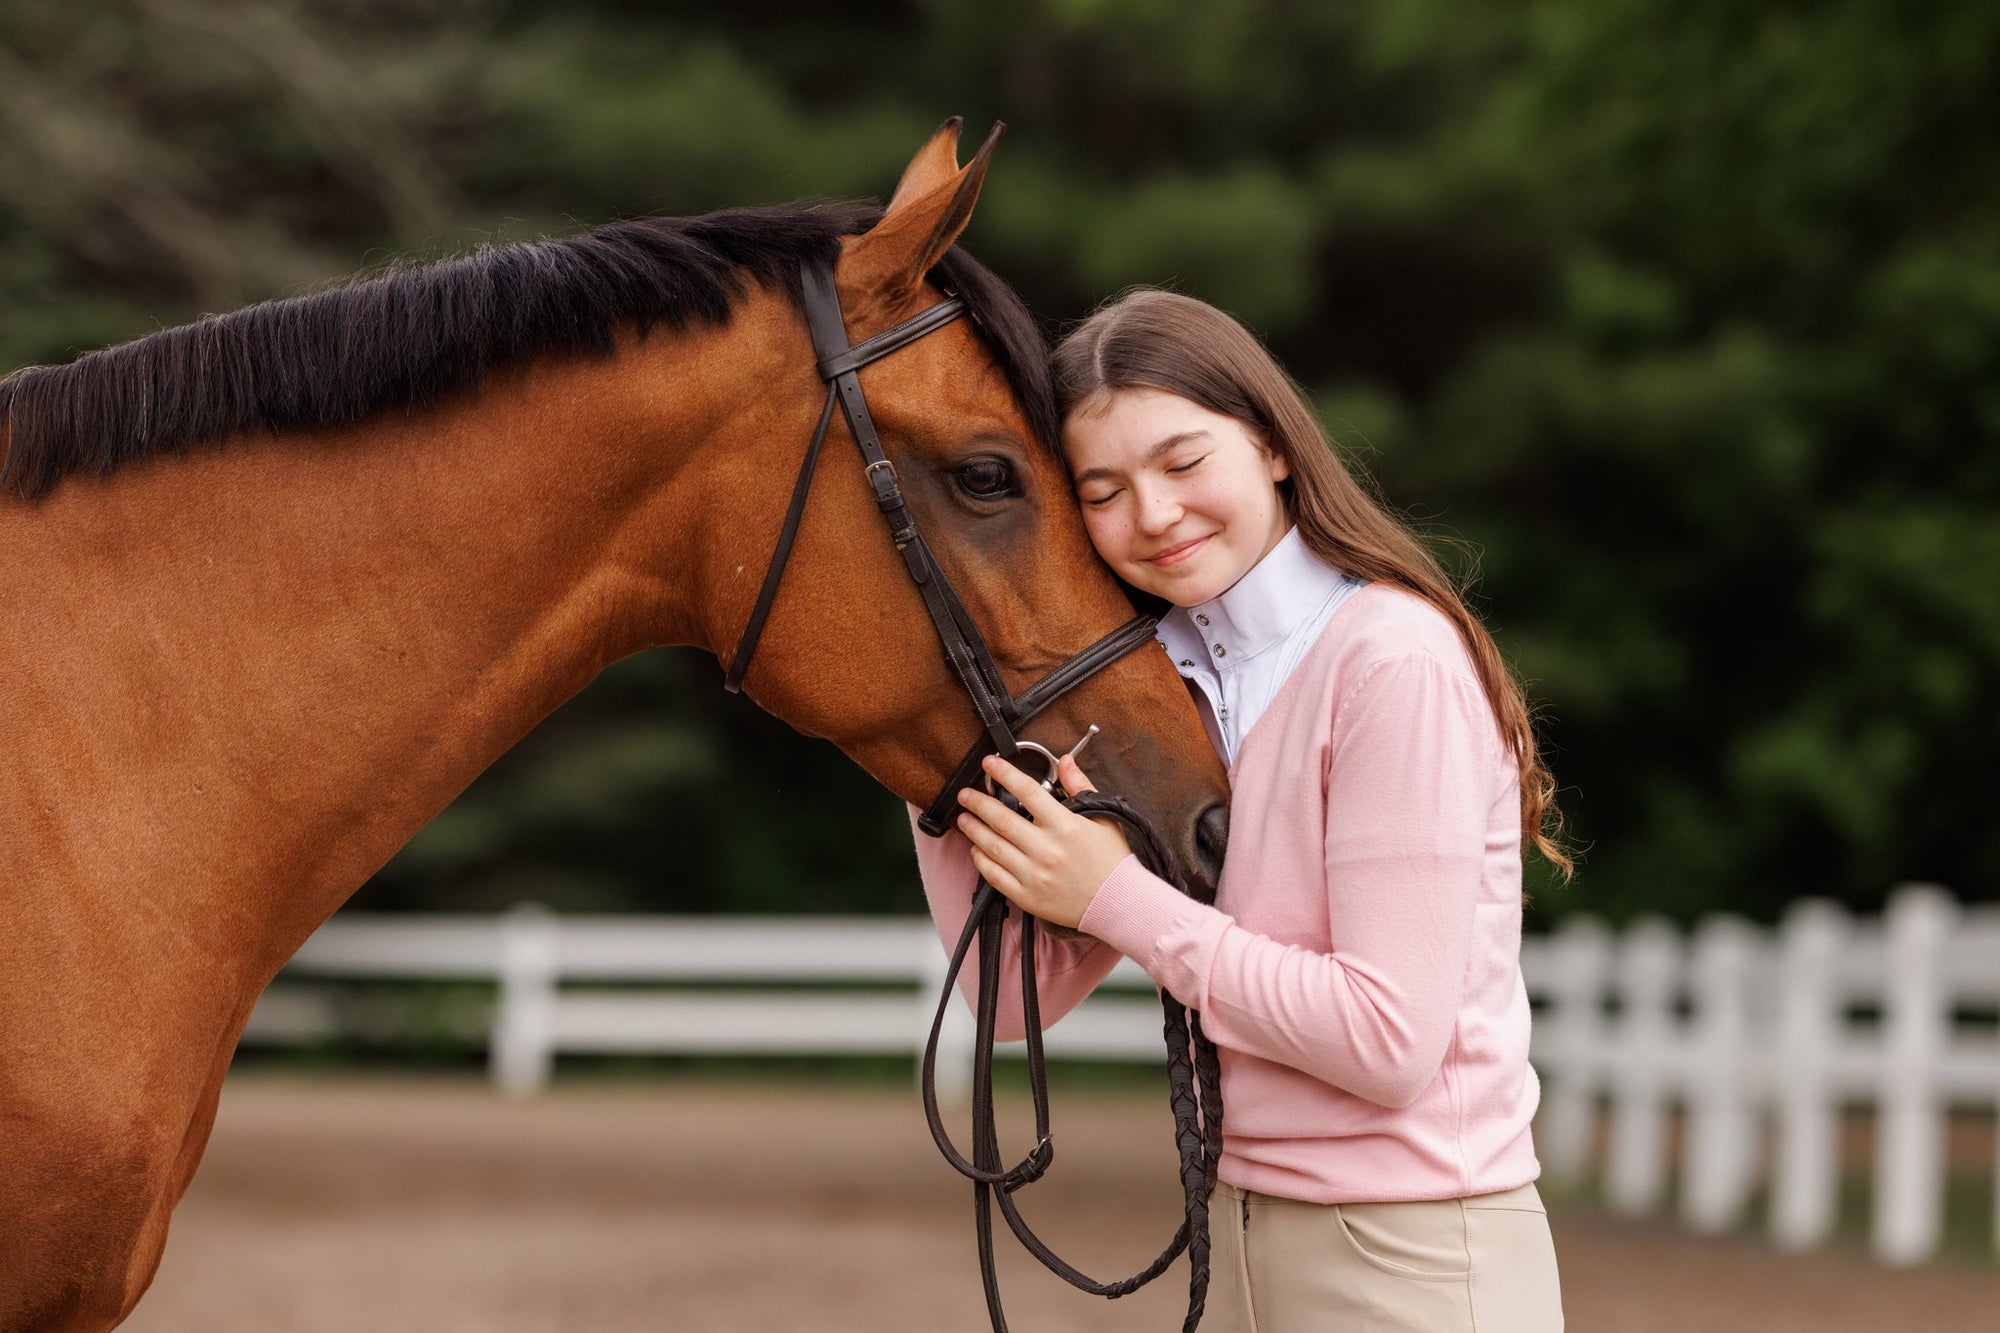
(1065, 970)
(1413, 762)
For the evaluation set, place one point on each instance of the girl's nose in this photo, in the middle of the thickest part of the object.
(1157, 511)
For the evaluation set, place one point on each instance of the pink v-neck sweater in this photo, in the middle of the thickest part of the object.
(1360, 970)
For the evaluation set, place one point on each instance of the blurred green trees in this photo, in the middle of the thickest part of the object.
(1681, 320)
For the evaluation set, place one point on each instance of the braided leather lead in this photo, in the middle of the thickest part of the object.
(1193, 1078)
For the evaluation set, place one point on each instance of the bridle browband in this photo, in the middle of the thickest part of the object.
(1001, 713)
(1192, 1063)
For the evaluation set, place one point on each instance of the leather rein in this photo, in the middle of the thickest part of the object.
(1193, 1072)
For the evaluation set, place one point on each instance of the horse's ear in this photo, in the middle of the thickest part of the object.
(935, 164)
(881, 269)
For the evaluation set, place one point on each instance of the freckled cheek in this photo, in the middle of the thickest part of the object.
(1204, 495)
(1110, 534)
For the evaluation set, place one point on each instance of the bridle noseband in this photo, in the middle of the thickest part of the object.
(1192, 1062)
(1001, 713)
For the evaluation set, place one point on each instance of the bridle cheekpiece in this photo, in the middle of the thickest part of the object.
(1001, 713)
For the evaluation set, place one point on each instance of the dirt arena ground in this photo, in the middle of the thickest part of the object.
(431, 1205)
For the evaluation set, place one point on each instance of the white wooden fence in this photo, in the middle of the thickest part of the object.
(712, 986)
(1760, 1038)
(1756, 1038)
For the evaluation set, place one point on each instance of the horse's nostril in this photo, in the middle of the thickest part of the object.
(1211, 838)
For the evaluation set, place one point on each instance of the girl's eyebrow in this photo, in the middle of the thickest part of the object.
(1152, 456)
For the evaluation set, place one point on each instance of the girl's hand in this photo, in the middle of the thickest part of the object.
(1051, 867)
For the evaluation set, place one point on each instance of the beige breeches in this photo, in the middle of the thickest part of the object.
(1480, 1265)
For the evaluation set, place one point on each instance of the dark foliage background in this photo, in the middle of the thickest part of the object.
(1678, 321)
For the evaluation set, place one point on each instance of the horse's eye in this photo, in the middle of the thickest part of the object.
(986, 479)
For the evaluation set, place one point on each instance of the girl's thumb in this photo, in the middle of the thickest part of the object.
(1073, 780)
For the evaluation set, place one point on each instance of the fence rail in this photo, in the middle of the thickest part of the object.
(1760, 1038)
(1755, 1038)
(712, 985)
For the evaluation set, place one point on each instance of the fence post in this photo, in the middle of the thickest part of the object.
(524, 1017)
(1641, 1060)
(1805, 1166)
(955, 1038)
(1719, 1148)
(1909, 1139)
(1571, 1034)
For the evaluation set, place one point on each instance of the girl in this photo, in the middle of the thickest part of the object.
(1360, 970)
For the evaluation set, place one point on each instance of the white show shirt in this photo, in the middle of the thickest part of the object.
(1239, 648)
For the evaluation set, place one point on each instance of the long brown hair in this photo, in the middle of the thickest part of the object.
(1162, 340)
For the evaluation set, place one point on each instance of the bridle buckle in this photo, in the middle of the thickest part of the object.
(876, 472)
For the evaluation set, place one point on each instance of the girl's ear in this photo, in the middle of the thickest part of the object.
(1275, 459)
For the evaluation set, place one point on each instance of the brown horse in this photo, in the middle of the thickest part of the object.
(279, 584)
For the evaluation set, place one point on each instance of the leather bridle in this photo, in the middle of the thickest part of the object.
(1001, 713)
(1193, 1069)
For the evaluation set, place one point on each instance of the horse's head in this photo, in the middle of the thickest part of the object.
(966, 418)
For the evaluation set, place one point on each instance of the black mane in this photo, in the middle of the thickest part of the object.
(405, 338)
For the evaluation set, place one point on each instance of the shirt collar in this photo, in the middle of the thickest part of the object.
(1261, 609)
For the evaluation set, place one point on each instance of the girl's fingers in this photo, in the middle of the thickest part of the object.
(993, 843)
(997, 875)
(1001, 878)
(990, 810)
(995, 815)
(1025, 789)
(1071, 775)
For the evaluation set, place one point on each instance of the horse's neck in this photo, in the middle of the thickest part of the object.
(246, 677)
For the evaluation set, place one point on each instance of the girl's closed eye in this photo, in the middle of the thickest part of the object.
(1190, 465)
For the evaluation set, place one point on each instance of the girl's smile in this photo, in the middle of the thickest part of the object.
(1180, 501)
(1174, 555)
